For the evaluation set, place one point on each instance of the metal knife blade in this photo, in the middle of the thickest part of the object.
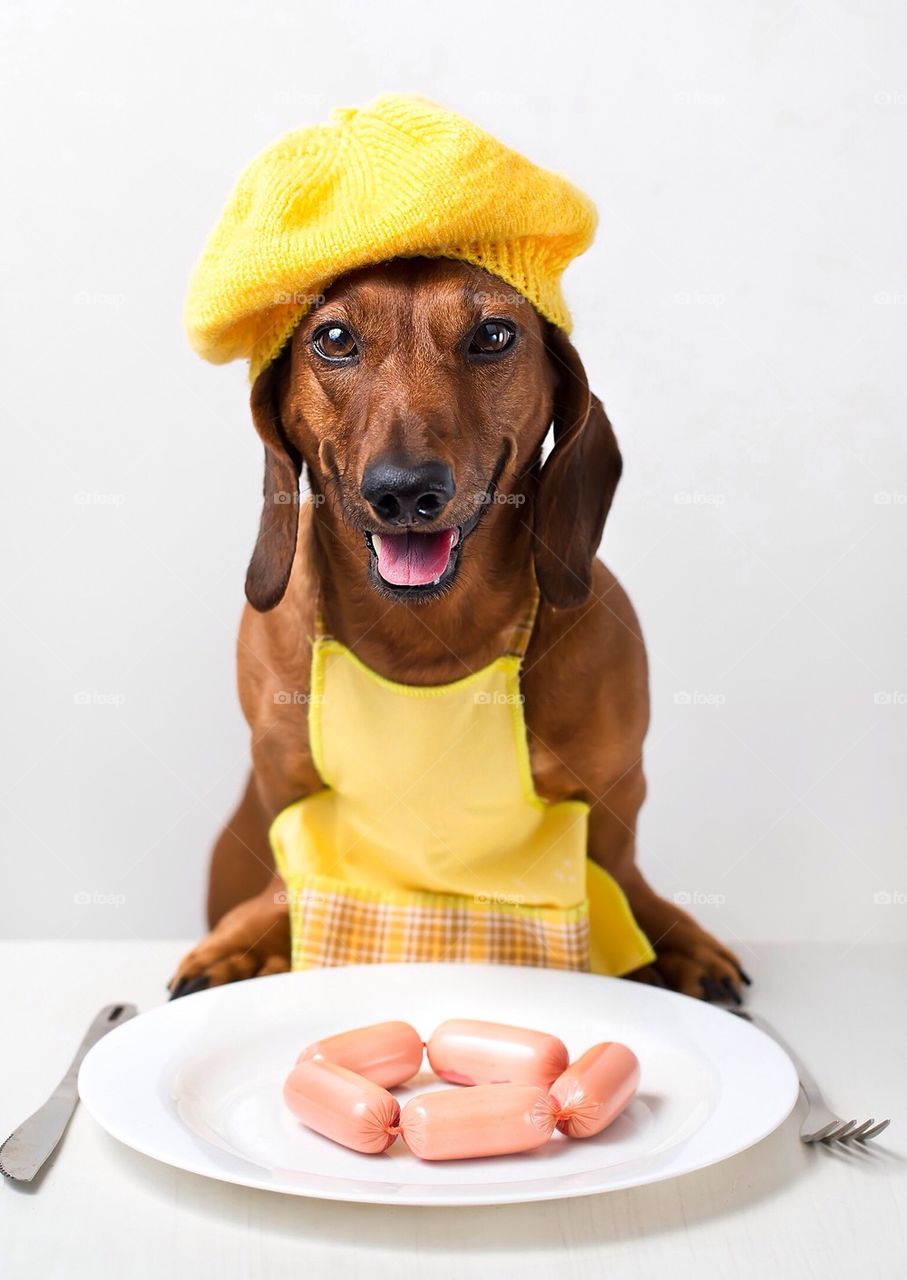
(27, 1148)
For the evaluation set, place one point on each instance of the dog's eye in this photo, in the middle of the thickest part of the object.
(491, 337)
(334, 342)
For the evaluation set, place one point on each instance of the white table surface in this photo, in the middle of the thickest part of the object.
(779, 1210)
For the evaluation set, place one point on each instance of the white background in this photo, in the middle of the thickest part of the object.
(742, 314)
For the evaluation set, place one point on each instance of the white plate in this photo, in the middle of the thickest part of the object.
(197, 1083)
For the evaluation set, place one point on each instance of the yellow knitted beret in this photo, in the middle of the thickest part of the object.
(402, 177)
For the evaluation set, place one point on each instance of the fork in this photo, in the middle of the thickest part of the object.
(821, 1124)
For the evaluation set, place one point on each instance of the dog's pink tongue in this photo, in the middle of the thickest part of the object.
(413, 559)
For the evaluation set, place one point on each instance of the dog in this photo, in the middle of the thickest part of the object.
(381, 394)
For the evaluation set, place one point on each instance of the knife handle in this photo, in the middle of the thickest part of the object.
(112, 1015)
(28, 1147)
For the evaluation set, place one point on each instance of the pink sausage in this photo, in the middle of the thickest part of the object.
(387, 1053)
(465, 1052)
(594, 1090)
(489, 1120)
(342, 1106)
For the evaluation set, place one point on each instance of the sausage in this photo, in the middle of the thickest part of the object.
(343, 1106)
(595, 1089)
(387, 1053)
(467, 1052)
(488, 1120)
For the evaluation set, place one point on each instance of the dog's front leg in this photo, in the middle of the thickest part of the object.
(250, 941)
(688, 958)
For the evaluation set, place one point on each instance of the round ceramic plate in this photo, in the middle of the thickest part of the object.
(197, 1083)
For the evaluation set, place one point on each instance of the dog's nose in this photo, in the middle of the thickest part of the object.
(410, 492)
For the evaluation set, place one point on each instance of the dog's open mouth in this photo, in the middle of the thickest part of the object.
(422, 564)
(414, 559)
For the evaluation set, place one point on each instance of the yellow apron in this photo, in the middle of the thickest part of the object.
(428, 841)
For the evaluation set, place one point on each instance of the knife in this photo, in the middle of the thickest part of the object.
(28, 1147)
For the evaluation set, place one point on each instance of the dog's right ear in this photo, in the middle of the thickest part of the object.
(275, 547)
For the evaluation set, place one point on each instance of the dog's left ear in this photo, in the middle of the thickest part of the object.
(576, 484)
(275, 547)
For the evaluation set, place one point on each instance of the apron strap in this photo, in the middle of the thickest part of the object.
(320, 632)
(522, 632)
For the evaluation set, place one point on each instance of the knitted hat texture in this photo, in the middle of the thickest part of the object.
(402, 177)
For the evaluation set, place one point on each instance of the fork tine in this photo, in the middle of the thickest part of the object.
(856, 1134)
(820, 1134)
(874, 1133)
(837, 1135)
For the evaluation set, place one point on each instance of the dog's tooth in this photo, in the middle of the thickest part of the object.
(376, 542)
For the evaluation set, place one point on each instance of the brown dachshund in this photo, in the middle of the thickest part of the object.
(418, 388)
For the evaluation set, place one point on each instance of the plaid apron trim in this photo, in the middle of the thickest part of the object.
(334, 923)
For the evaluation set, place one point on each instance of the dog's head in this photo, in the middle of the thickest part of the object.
(417, 396)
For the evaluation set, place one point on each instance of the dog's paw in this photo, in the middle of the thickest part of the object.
(251, 941)
(696, 964)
